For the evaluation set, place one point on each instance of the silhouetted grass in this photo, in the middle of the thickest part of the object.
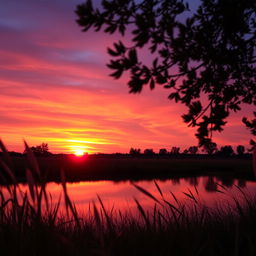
(30, 224)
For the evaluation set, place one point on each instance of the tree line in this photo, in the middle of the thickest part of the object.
(226, 150)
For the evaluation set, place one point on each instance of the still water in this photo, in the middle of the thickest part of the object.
(120, 195)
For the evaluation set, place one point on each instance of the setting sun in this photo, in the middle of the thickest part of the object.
(79, 152)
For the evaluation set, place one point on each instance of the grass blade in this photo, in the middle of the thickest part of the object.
(32, 160)
(105, 213)
(142, 212)
(159, 189)
(31, 183)
(254, 160)
(9, 172)
(145, 192)
(6, 155)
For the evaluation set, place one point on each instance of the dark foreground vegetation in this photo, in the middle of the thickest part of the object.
(30, 224)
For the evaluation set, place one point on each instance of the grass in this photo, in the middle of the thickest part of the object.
(31, 225)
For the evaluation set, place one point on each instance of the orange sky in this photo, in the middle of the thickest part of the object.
(55, 88)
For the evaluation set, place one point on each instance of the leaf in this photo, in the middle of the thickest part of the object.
(152, 84)
(112, 52)
(133, 56)
(195, 108)
(161, 79)
(117, 74)
(175, 96)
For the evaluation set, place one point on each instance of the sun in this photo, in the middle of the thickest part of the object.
(79, 152)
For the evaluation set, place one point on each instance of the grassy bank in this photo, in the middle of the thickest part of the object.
(124, 168)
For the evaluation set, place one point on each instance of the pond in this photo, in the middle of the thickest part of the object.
(121, 195)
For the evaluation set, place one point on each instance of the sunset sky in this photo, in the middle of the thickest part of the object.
(55, 88)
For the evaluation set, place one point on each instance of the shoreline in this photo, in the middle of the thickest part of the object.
(116, 168)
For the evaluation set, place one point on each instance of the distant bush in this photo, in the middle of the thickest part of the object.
(40, 150)
(135, 151)
(149, 152)
(163, 151)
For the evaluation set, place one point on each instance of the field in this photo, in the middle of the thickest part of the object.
(132, 168)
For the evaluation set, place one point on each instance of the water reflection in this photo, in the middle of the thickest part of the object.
(210, 184)
(193, 181)
(175, 181)
(241, 183)
(121, 195)
(227, 182)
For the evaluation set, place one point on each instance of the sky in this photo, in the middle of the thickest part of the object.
(55, 88)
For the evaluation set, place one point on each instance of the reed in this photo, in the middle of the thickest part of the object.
(30, 224)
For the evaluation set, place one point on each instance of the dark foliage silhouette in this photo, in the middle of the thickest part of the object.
(149, 152)
(185, 151)
(135, 151)
(206, 54)
(251, 124)
(40, 150)
(240, 149)
(175, 150)
(163, 151)
(193, 150)
(226, 150)
(211, 148)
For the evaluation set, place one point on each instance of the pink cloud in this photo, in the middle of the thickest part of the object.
(55, 88)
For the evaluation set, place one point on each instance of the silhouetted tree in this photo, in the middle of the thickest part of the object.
(226, 150)
(40, 150)
(185, 151)
(175, 150)
(163, 151)
(210, 148)
(135, 152)
(193, 150)
(209, 53)
(149, 152)
(240, 150)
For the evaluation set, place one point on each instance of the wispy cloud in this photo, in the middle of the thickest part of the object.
(55, 88)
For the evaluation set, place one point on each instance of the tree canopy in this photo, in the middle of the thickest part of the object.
(204, 55)
(40, 150)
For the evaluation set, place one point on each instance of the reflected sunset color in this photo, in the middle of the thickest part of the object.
(121, 195)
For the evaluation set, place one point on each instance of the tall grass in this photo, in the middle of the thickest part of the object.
(30, 224)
